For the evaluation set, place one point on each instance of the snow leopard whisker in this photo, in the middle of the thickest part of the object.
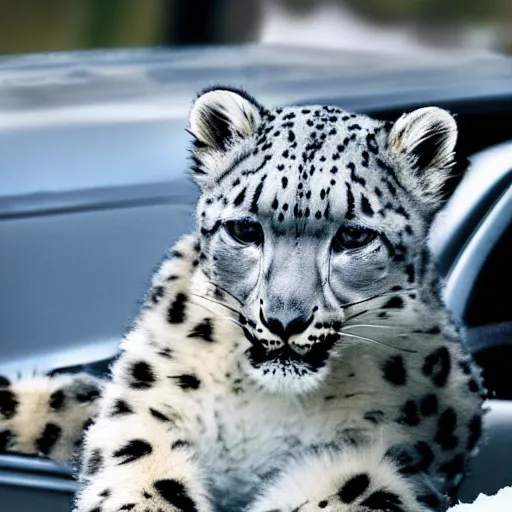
(355, 303)
(221, 316)
(376, 326)
(225, 291)
(364, 338)
(217, 302)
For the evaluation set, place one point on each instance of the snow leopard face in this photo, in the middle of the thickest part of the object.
(311, 218)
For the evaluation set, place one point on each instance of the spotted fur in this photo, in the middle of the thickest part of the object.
(295, 353)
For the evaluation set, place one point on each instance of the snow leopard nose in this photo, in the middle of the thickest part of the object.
(285, 327)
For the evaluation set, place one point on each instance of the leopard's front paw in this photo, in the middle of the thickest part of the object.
(166, 495)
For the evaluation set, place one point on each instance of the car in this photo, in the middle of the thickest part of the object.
(95, 187)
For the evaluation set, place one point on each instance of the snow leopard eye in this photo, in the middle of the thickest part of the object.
(351, 238)
(245, 231)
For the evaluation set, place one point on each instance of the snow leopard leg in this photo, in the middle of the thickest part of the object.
(47, 416)
(352, 480)
(138, 455)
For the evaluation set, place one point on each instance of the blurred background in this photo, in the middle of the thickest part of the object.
(390, 25)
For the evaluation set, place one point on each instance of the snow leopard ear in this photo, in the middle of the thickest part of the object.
(220, 119)
(424, 140)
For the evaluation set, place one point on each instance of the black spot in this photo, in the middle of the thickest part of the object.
(426, 455)
(454, 467)
(353, 176)
(372, 143)
(391, 188)
(409, 269)
(275, 204)
(383, 500)
(475, 431)
(57, 400)
(93, 463)
(46, 441)
(179, 444)
(203, 330)
(350, 203)
(374, 416)
(188, 381)
(437, 366)
(5, 438)
(352, 489)
(158, 415)
(395, 302)
(141, 375)
(428, 405)
(284, 181)
(156, 294)
(176, 311)
(394, 370)
(446, 425)
(323, 504)
(465, 367)
(121, 408)
(176, 494)
(127, 506)
(256, 196)
(8, 403)
(473, 385)
(86, 393)
(133, 450)
(4, 382)
(410, 415)
(366, 207)
(165, 352)
(87, 424)
(240, 197)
